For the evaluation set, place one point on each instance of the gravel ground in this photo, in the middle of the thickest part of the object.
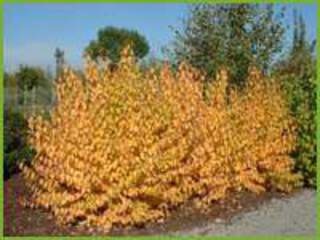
(242, 213)
(293, 216)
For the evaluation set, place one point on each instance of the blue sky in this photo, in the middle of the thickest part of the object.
(33, 31)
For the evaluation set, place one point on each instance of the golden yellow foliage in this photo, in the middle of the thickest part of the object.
(124, 148)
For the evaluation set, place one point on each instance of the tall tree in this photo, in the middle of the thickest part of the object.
(59, 56)
(111, 40)
(233, 35)
(300, 60)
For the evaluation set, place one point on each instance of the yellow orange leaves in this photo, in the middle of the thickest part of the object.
(123, 147)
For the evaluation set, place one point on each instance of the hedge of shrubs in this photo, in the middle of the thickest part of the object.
(125, 147)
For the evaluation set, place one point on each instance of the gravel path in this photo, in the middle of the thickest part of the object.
(243, 213)
(292, 216)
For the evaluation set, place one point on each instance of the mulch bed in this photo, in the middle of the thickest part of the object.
(20, 221)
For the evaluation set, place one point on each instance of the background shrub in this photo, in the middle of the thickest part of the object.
(16, 149)
(301, 93)
(297, 73)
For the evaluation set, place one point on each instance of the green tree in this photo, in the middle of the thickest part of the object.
(111, 40)
(297, 72)
(29, 77)
(300, 60)
(10, 90)
(232, 35)
(8, 79)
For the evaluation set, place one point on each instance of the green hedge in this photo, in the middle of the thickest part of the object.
(301, 92)
(16, 148)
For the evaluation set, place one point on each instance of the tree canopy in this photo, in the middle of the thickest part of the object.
(29, 77)
(111, 40)
(232, 35)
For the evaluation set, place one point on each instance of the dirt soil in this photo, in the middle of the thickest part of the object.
(20, 221)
